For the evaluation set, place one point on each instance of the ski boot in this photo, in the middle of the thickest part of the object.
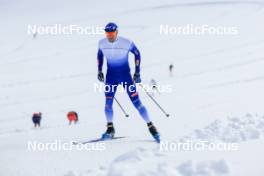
(110, 132)
(153, 131)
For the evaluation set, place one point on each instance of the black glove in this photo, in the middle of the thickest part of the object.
(100, 76)
(136, 78)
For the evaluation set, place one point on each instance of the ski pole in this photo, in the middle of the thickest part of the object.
(151, 97)
(121, 107)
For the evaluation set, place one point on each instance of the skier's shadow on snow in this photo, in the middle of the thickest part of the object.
(144, 140)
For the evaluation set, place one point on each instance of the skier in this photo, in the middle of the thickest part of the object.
(171, 69)
(116, 49)
(154, 86)
(72, 117)
(36, 118)
(35, 35)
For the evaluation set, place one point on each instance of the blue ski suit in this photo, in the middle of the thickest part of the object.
(118, 72)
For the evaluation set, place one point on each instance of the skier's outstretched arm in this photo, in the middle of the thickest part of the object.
(100, 62)
(136, 53)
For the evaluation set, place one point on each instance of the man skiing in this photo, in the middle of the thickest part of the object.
(72, 117)
(171, 69)
(36, 118)
(116, 50)
(154, 87)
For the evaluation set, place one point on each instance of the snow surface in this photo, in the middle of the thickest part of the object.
(217, 95)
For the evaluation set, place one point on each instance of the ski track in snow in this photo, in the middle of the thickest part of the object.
(235, 82)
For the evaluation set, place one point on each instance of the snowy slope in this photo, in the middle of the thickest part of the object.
(217, 88)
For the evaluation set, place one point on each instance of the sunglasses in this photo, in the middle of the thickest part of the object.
(110, 29)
